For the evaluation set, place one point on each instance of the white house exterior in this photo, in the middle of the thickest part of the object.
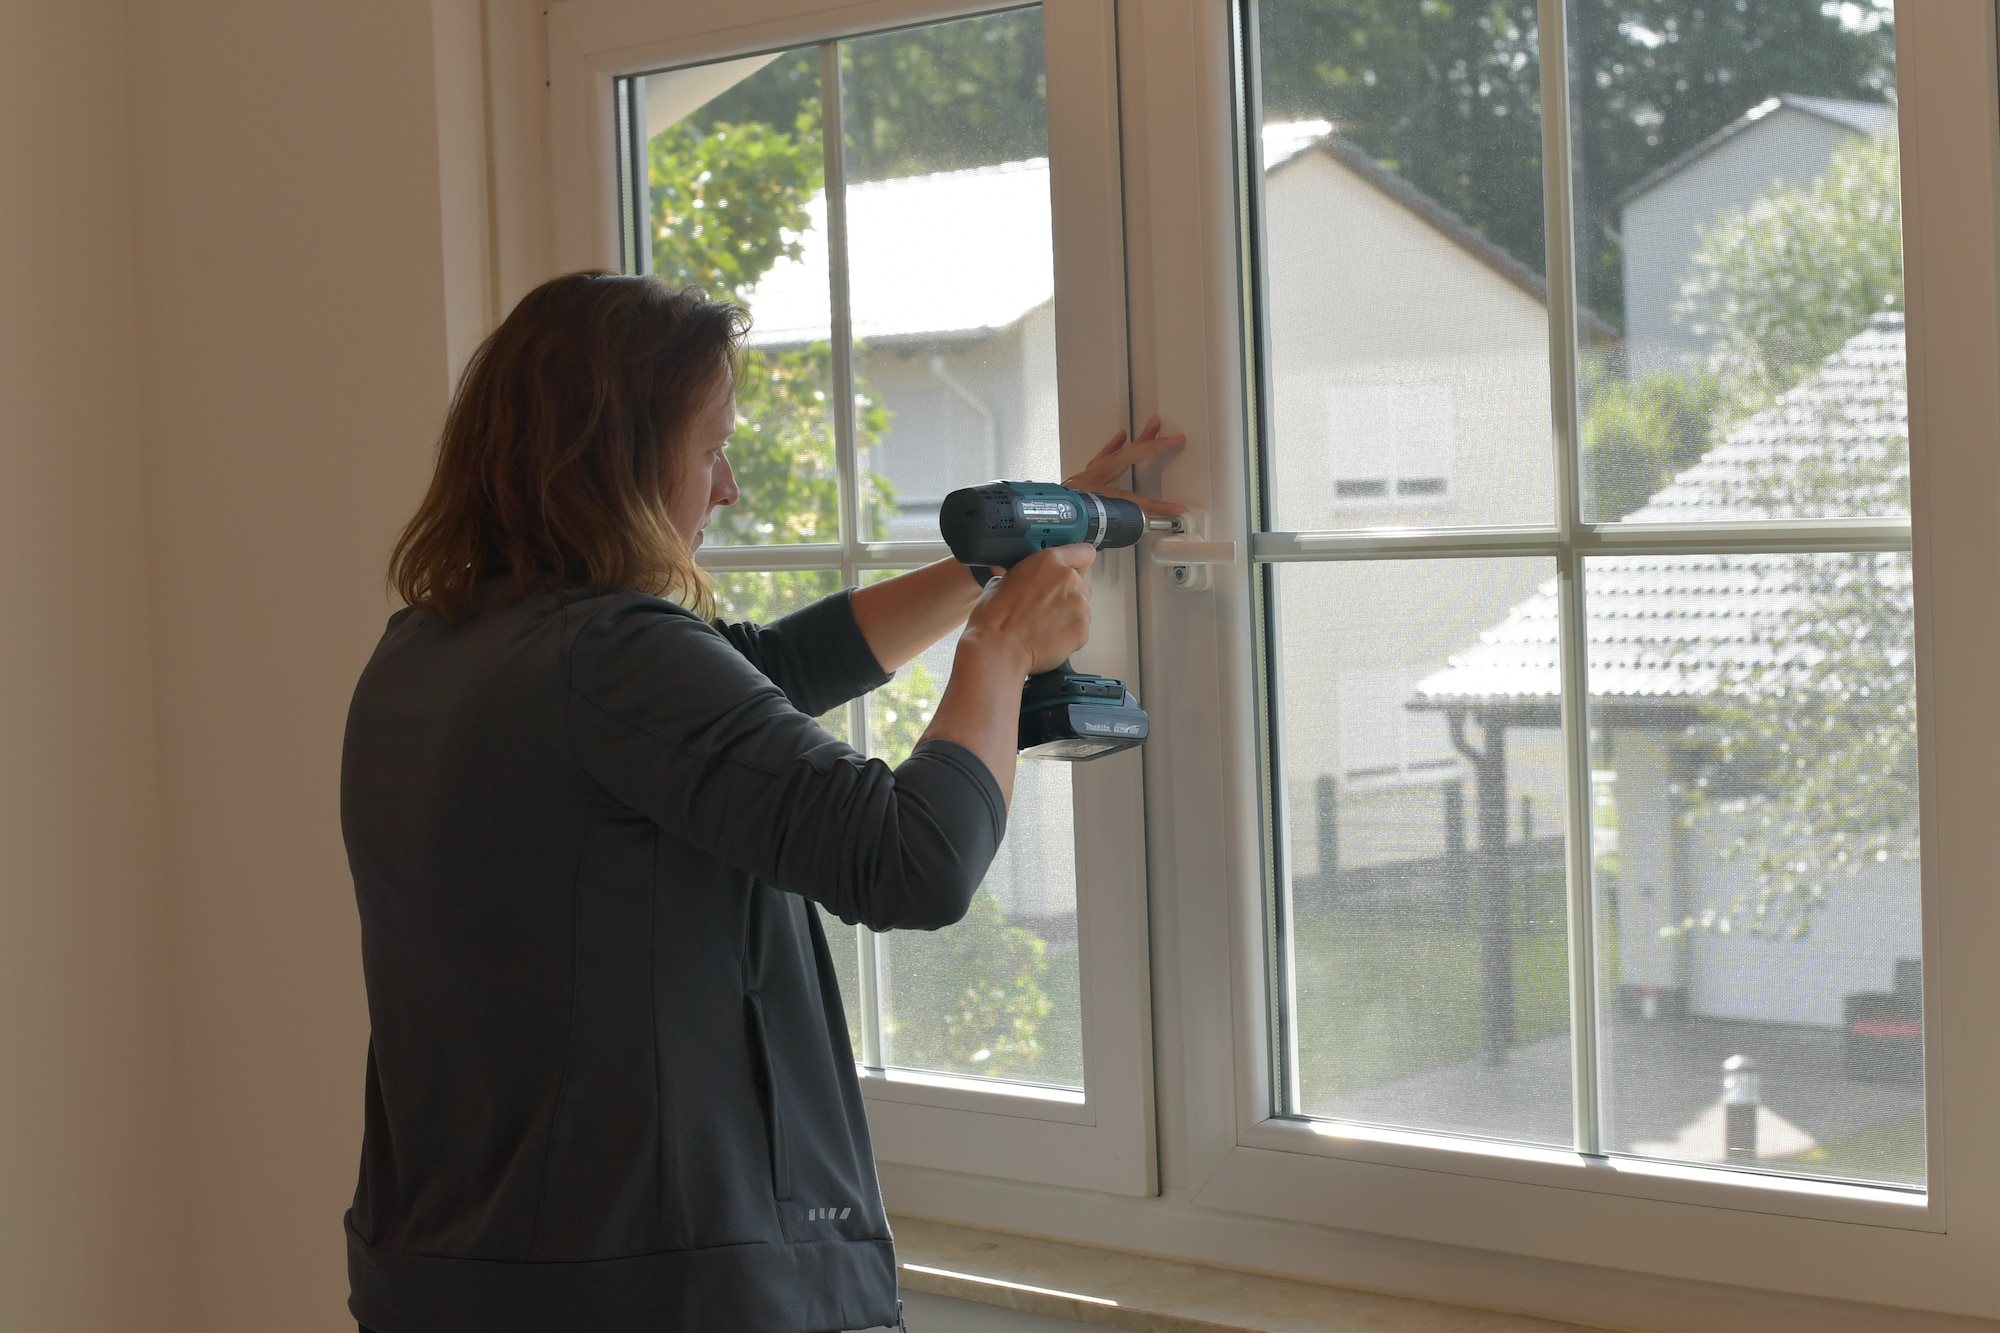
(1664, 633)
(1788, 138)
(1409, 387)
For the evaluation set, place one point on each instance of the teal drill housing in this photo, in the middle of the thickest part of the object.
(1065, 713)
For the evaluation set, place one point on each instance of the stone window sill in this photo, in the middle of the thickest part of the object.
(1117, 1290)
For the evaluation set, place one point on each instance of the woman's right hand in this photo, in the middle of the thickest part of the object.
(1042, 605)
(1027, 621)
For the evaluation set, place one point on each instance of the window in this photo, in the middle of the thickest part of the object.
(1402, 1038)
(880, 201)
(1739, 982)
(1610, 568)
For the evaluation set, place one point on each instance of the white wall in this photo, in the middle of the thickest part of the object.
(92, 1222)
(293, 352)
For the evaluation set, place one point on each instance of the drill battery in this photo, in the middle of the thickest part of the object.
(1069, 715)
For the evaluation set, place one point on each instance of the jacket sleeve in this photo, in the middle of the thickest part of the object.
(670, 719)
(816, 655)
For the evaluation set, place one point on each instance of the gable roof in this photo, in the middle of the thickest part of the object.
(1295, 141)
(1859, 117)
(965, 254)
(1668, 628)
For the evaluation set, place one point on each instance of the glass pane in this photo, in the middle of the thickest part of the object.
(996, 995)
(1405, 309)
(762, 598)
(1755, 838)
(739, 208)
(951, 266)
(1739, 226)
(1425, 810)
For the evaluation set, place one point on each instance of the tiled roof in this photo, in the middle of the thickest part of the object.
(1671, 627)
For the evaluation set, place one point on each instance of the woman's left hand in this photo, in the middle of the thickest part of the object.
(1114, 458)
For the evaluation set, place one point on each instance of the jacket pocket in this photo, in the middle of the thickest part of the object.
(766, 1071)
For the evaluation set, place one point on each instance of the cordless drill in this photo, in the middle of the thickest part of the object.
(1065, 713)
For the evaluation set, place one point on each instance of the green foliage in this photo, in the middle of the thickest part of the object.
(936, 98)
(1811, 740)
(1446, 93)
(904, 708)
(782, 452)
(1390, 989)
(1782, 284)
(1638, 433)
(940, 98)
(729, 201)
(991, 1016)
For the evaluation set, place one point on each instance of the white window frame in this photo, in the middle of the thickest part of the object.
(1855, 1243)
(1103, 1138)
(1625, 1243)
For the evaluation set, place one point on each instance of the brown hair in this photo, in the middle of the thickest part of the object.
(563, 441)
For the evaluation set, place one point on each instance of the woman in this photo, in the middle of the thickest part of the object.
(609, 1082)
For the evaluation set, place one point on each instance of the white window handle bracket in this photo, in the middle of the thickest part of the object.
(1190, 559)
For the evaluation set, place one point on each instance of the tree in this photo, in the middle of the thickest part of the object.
(994, 1013)
(1639, 433)
(936, 98)
(1782, 284)
(1806, 750)
(1447, 94)
(1811, 742)
(728, 202)
(1442, 92)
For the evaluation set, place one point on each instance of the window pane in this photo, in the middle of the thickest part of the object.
(739, 208)
(1755, 814)
(762, 598)
(997, 994)
(950, 261)
(1739, 220)
(1406, 315)
(1426, 886)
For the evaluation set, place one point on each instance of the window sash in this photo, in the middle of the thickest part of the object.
(1103, 1139)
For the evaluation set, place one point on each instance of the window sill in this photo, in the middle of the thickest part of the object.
(1111, 1289)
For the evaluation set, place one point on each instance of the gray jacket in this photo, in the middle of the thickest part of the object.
(609, 1082)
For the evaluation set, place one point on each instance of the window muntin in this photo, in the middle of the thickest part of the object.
(878, 377)
(1817, 446)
